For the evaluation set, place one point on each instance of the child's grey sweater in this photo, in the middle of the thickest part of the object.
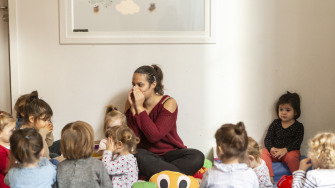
(82, 173)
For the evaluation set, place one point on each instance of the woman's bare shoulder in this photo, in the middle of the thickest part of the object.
(170, 104)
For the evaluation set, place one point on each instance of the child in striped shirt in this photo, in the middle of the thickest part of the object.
(322, 158)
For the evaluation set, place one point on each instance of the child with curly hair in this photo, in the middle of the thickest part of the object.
(118, 157)
(322, 158)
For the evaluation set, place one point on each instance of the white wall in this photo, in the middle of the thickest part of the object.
(264, 48)
(4, 63)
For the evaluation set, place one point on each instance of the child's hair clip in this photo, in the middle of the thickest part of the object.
(27, 137)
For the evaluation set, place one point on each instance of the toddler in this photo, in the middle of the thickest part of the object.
(322, 158)
(80, 169)
(113, 117)
(31, 170)
(37, 114)
(118, 157)
(7, 125)
(232, 143)
(19, 108)
(285, 135)
(258, 164)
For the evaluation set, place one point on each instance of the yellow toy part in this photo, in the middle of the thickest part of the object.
(170, 179)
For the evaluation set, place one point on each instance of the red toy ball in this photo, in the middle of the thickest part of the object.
(285, 182)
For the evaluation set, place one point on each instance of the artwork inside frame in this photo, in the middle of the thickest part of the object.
(136, 21)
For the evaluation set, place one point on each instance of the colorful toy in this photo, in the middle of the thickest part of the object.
(200, 173)
(285, 182)
(144, 185)
(170, 179)
(208, 163)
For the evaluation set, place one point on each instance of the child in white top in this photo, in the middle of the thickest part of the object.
(31, 170)
(113, 117)
(258, 164)
(232, 143)
(322, 158)
(118, 157)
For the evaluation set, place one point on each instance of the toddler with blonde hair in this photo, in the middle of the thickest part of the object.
(7, 125)
(258, 164)
(322, 158)
(113, 117)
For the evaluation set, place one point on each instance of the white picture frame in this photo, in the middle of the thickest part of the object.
(68, 36)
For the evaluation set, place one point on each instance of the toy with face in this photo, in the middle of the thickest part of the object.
(170, 179)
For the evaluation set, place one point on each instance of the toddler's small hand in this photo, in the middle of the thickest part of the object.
(273, 152)
(50, 127)
(110, 144)
(280, 153)
(305, 164)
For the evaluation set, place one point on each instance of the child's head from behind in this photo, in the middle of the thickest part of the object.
(7, 125)
(77, 140)
(254, 152)
(322, 150)
(123, 137)
(287, 103)
(20, 105)
(113, 117)
(231, 141)
(26, 145)
(37, 112)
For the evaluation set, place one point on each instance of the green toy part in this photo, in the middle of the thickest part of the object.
(144, 185)
(208, 163)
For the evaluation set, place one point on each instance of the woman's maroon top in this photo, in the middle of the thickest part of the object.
(158, 130)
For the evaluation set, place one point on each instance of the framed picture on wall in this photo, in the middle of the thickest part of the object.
(136, 21)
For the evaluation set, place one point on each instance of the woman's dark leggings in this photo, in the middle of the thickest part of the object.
(186, 161)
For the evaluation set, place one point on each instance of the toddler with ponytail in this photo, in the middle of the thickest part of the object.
(118, 157)
(113, 117)
(232, 144)
(29, 169)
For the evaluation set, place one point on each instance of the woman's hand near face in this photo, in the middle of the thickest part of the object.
(131, 102)
(139, 99)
